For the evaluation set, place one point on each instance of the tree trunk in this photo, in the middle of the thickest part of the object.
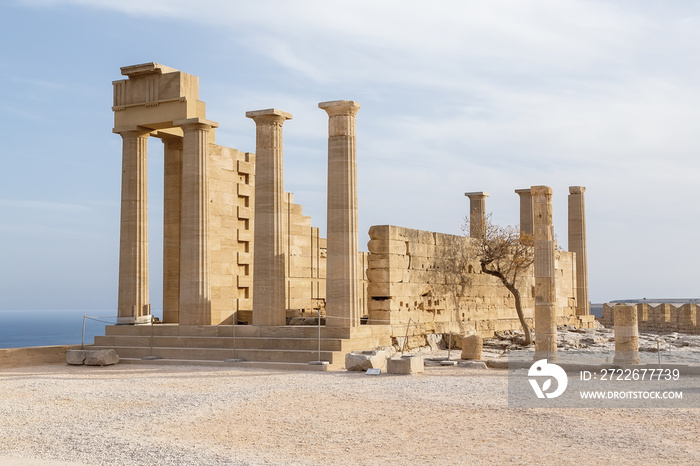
(518, 304)
(519, 307)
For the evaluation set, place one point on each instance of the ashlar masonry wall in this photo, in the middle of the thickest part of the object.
(419, 275)
(661, 318)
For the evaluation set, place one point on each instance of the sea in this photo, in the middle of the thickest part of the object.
(24, 328)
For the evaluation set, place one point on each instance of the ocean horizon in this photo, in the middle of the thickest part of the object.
(24, 328)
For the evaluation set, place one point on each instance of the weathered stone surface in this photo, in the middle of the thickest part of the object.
(433, 341)
(101, 358)
(75, 357)
(405, 365)
(472, 346)
(363, 360)
(92, 357)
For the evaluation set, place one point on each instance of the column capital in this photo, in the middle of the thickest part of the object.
(541, 191)
(195, 123)
(269, 116)
(577, 189)
(477, 195)
(520, 192)
(340, 107)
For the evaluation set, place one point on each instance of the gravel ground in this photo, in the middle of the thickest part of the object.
(184, 415)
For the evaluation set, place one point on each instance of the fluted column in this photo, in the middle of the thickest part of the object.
(526, 220)
(545, 291)
(342, 266)
(172, 198)
(577, 244)
(477, 213)
(195, 289)
(270, 257)
(133, 238)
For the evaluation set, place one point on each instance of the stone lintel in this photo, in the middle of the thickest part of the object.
(133, 128)
(577, 189)
(340, 107)
(195, 121)
(268, 113)
(477, 195)
(145, 68)
(523, 191)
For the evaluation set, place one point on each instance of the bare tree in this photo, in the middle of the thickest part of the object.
(506, 253)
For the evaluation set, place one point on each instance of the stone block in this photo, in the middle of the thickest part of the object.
(363, 360)
(75, 357)
(472, 346)
(92, 357)
(405, 365)
(381, 246)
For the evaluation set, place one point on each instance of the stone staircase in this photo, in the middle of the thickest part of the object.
(290, 347)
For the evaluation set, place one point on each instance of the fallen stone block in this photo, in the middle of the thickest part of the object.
(92, 357)
(363, 360)
(75, 357)
(405, 365)
(472, 346)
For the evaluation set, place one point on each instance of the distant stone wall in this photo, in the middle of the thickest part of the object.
(412, 275)
(662, 318)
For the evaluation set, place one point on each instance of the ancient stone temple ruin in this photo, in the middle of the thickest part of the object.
(240, 259)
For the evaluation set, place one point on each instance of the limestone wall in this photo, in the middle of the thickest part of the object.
(662, 318)
(231, 187)
(417, 274)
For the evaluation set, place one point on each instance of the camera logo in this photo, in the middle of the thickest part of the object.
(542, 368)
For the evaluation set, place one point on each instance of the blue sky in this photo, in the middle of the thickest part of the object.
(456, 96)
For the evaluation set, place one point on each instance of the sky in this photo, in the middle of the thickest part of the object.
(456, 96)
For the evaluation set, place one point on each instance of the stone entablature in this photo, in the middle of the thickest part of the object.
(209, 211)
(409, 276)
(662, 318)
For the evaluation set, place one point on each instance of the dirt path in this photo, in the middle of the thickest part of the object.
(128, 414)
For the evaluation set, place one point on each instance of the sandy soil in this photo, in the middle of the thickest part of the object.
(146, 415)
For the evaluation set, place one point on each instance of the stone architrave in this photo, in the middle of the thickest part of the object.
(195, 289)
(270, 259)
(343, 292)
(577, 244)
(526, 219)
(626, 334)
(545, 291)
(477, 213)
(133, 238)
(172, 174)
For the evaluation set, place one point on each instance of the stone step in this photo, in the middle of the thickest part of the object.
(218, 354)
(309, 344)
(296, 331)
(327, 344)
(299, 366)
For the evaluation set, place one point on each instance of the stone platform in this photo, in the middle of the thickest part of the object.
(288, 347)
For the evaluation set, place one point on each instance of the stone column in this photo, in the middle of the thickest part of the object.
(270, 257)
(545, 291)
(133, 237)
(526, 219)
(626, 335)
(343, 291)
(477, 214)
(577, 244)
(195, 290)
(172, 199)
